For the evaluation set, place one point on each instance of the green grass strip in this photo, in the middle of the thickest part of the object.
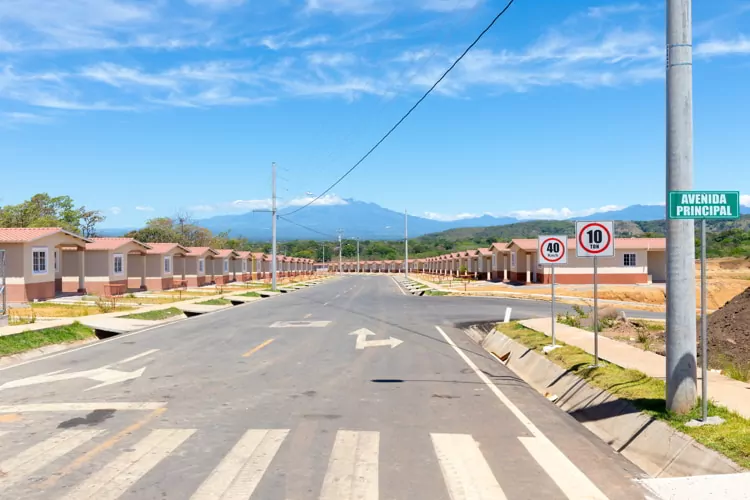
(25, 341)
(158, 315)
(731, 439)
(215, 302)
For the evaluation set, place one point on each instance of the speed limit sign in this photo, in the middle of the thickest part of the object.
(553, 249)
(595, 239)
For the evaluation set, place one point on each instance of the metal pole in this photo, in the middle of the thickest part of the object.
(273, 228)
(4, 286)
(406, 244)
(341, 271)
(680, 335)
(553, 306)
(357, 255)
(704, 324)
(596, 311)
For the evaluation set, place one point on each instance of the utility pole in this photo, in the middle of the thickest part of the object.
(406, 244)
(680, 334)
(340, 231)
(273, 225)
(357, 254)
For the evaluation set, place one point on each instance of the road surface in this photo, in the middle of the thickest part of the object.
(277, 400)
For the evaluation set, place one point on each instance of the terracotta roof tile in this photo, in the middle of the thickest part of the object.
(112, 243)
(28, 234)
(161, 248)
(224, 253)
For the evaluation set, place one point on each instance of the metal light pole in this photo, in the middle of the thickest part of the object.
(680, 334)
(273, 226)
(357, 254)
(406, 244)
(3, 290)
(341, 270)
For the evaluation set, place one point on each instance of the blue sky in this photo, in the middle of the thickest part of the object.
(141, 108)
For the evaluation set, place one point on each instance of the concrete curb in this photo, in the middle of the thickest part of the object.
(654, 446)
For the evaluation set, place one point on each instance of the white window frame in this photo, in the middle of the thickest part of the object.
(630, 260)
(513, 260)
(55, 257)
(226, 265)
(45, 252)
(167, 264)
(122, 263)
(202, 266)
(494, 261)
(244, 265)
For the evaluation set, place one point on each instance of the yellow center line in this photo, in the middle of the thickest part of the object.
(104, 446)
(257, 348)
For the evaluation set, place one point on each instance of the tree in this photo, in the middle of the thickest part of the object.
(42, 210)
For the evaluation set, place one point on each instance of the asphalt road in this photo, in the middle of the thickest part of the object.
(236, 405)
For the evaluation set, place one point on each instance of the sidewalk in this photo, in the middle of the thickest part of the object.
(728, 392)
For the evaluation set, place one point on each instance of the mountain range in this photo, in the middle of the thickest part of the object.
(371, 221)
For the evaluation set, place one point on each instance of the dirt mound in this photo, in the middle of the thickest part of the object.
(729, 332)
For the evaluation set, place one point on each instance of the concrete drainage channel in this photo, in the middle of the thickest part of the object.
(654, 446)
(413, 287)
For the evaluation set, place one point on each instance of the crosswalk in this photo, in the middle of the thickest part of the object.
(352, 471)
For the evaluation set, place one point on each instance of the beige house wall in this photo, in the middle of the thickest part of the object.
(657, 265)
(14, 261)
(606, 265)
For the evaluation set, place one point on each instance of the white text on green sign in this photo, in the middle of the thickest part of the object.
(703, 205)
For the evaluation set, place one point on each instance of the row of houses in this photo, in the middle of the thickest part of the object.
(636, 260)
(42, 263)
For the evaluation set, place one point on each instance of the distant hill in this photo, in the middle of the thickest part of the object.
(532, 229)
(371, 221)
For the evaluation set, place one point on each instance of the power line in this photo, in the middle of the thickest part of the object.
(411, 110)
(305, 227)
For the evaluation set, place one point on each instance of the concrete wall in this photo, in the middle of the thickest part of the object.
(657, 266)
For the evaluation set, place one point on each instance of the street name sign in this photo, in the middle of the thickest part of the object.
(712, 205)
(553, 250)
(595, 239)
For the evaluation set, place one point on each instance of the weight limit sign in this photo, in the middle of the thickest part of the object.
(553, 250)
(595, 239)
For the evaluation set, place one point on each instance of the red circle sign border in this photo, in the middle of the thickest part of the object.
(562, 245)
(580, 238)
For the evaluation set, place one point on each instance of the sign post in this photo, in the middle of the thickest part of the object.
(553, 251)
(594, 240)
(704, 205)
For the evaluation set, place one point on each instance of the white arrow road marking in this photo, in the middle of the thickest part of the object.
(105, 375)
(363, 343)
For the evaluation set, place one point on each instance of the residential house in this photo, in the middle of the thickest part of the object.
(199, 266)
(33, 261)
(106, 265)
(163, 262)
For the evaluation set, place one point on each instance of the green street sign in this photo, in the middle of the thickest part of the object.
(714, 205)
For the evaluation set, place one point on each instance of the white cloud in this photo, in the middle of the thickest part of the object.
(216, 4)
(115, 210)
(446, 217)
(613, 10)
(119, 76)
(142, 208)
(331, 59)
(561, 213)
(29, 118)
(356, 7)
(265, 204)
(745, 200)
(738, 46)
(450, 5)
(286, 41)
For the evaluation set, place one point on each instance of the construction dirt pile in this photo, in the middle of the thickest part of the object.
(729, 332)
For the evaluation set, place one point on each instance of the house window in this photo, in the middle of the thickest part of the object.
(55, 259)
(226, 265)
(244, 266)
(629, 260)
(513, 259)
(494, 261)
(201, 265)
(119, 264)
(167, 264)
(39, 260)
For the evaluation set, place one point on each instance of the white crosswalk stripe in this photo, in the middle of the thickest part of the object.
(352, 471)
(467, 474)
(26, 463)
(353, 467)
(237, 476)
(116, 477)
